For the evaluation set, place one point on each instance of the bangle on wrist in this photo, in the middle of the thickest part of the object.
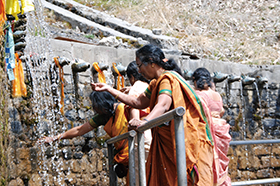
(117, 95)
(145, 119)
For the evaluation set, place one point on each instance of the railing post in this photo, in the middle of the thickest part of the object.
(141, 159)
(180, 151)
(112, 175)
(131, 161)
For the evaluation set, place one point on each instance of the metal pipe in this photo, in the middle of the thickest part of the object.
(252, 142)
(180, 151)
(141, 159)
(112, 174)
(256, 182)
(115, 139)
(131, 160)
(179, 111)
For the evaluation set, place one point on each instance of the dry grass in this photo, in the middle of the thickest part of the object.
(243, 31)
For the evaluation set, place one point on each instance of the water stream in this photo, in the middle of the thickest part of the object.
(38, 62)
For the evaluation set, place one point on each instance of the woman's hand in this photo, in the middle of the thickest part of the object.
(49, 139)
(125, 90)
(135, 123)
(99, 87)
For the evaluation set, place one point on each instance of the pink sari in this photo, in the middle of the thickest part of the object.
(221, 137)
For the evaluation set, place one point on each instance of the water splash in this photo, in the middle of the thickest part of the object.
(258, 97)
(243, 110)
(38, 63)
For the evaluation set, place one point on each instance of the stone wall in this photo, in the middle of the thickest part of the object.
(83, 160)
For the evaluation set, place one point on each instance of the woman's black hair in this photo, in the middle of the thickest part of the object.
(202, 76)
(153, 54)
(104, 101)
(132, 70)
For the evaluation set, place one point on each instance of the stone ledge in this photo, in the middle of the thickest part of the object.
(116, 24)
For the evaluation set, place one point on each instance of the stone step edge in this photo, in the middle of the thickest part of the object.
(165, 42)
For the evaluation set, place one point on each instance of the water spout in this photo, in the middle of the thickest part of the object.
(102, 67)
(188, 74)
(232, 78)
(261, 81)
(246, 80)
(77, 67)
(219, 77)
(120, 68)
(63, 61)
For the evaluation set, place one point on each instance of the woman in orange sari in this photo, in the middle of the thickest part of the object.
(111, 114)
(219, 127)
(166, 91)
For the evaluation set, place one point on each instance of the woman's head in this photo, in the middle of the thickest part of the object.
(133, 74)
(150, 54)
(102, 102)
(202, 78)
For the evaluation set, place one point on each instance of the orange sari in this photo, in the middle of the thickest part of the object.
(116, 126)
(161, 163)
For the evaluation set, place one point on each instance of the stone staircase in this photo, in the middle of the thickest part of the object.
(94, 22)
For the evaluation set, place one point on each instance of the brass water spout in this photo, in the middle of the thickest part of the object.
(246, 80)
(188, 74)
(232, 78)
(63, 61)
(102, 67)
(122, 71)
(77, 67)
(120, 68)
(219, 77)
(261, 80)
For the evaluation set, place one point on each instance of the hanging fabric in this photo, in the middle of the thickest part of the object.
(119, 85)
(9, 52)
(2, 15)
(26, 6)
(101, 76)
(13, 8)
(16, 82)
(23, 90)
(61, 74)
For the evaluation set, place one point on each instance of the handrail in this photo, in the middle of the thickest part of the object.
(177, 115)
(252, 142)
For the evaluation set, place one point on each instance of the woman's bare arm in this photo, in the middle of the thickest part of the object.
(74, 132)
(139, 102)
(163, 105)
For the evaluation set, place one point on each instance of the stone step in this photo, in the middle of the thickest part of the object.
(103, 21)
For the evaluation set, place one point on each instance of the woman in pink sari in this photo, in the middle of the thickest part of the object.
(213, 106)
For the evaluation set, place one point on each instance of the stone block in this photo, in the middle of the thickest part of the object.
(275, 162)
(71, 178)
(35, 180)
(265, 162)
(232, 163)
(265, 173)
(262, 150)
(75, 166)
(276, 150)
(16, 182)
(256, 163)
(23, 153)
(248, 175)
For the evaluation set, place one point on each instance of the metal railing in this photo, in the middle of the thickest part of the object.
(258, 181)
(177, 115)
